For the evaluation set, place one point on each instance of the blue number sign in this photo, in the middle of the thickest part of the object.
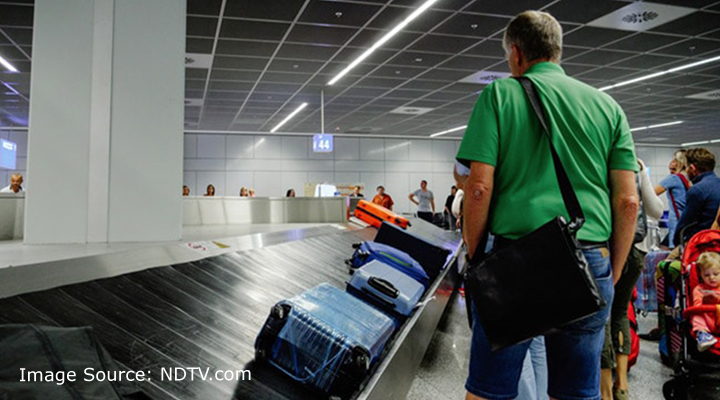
(323, 143)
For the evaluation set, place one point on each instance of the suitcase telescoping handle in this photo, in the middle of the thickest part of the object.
(374, 297)
(384, 287)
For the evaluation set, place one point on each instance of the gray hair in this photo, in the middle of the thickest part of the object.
(537, 34)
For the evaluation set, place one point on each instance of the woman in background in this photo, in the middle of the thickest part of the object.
(210, 191)
(676, 185)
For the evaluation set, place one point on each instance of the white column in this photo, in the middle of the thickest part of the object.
(58, 139)
(105, 140)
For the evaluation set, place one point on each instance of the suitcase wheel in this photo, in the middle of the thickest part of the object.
(361, 360)
(280, 311)
(260, 355)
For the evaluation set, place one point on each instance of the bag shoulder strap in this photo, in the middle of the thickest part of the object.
(577, 217)
(684, 181)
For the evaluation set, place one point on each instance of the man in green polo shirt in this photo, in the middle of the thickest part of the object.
(512, 189)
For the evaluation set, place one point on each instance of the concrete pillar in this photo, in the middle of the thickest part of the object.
(106, 121)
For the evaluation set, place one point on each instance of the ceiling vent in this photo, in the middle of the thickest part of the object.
(711, 95)
(641, 16)
(195, 60)
(484, 77)
(193, 102)
(411, 110)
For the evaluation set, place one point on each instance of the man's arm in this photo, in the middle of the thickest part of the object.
(412, 199)
(625, 204)
(432, 203)
(476, 204)
(693, 203)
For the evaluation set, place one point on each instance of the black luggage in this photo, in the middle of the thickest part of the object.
(431, 257)
(26, 350)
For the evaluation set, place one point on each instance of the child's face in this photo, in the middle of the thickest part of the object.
(711, 276)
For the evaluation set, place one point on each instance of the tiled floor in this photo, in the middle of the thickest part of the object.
(445, 367)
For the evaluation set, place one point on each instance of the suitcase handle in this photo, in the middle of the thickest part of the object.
(384, 287)
(374, 297)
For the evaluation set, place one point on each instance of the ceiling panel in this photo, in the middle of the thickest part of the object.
(328, 34)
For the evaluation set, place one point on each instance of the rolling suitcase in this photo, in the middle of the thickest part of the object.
(325, 339)
(386, 288)
(647, 294)
(432, 258)
(375, 214)
(366, 252)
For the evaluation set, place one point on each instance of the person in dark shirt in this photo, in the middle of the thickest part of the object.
(449, 217)
(703, 198)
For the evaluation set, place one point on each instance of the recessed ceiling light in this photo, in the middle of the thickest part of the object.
(449, 131)
(7, 65)
(642, 128)
(382, 40)
(661, 73)
(289, 117)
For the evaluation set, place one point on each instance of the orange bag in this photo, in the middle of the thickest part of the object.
(374, 215)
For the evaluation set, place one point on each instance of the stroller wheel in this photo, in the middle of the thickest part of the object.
(675, 390)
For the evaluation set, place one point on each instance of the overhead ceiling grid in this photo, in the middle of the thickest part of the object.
(250, 64)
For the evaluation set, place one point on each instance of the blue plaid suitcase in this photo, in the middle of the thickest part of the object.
(325, 339)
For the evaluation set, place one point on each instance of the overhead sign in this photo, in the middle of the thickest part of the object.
(8, 154)
(323, 143)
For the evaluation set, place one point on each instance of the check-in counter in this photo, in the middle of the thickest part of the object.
(200, 211)
(12, 216)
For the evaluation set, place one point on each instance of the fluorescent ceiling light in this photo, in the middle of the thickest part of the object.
(695, 143)
(382, 41)
(448, 131)
(7, 65)
(661, 73)
(642, 128)
(289, 117)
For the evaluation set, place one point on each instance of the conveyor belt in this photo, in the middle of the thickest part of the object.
(201, 314)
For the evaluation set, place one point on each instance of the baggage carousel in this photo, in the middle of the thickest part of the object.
(207, 313)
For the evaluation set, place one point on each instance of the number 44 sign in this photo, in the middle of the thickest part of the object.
(323, 143)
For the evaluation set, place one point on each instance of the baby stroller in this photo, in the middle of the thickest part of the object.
(691, 363)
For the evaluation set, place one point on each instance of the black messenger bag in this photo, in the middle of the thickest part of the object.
(541, 281)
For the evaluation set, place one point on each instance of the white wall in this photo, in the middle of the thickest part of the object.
(273, 164)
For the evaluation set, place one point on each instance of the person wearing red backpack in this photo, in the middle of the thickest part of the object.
(676, 185)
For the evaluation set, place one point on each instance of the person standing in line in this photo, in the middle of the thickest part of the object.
(676, 186)
(703, 198)
(449, 217)
(290, 193)
(425, 202)
(511, 167)
(210, 190)
(356, 192)
(251, 192)
(383, 199)
(15, 186)
(186, 190)
(616, 348)
(244, 192)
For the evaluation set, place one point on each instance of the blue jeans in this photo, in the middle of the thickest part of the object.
(573, 353)
(534, 376)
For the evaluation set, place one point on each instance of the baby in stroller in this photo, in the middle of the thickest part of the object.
(705, 326)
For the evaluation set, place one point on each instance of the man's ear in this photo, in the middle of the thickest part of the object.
(519, 57)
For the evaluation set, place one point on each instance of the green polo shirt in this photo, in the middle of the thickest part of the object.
(590, 133)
